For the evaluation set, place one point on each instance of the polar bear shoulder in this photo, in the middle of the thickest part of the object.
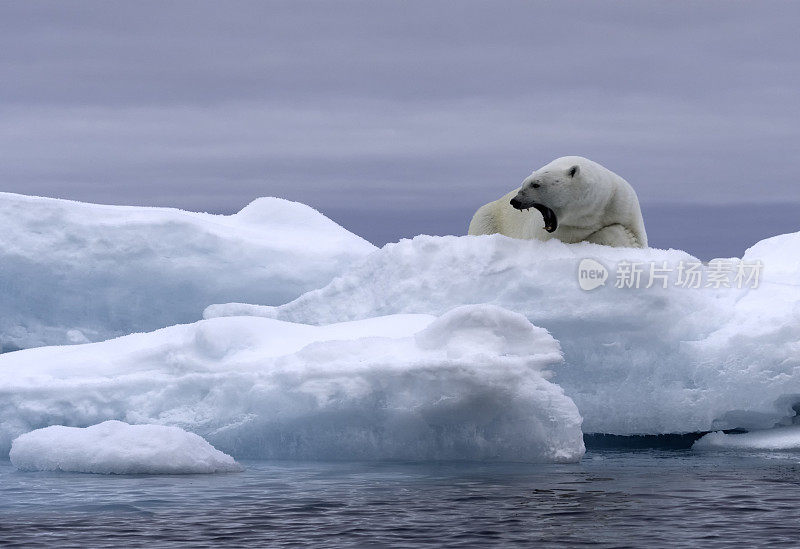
(494, 218)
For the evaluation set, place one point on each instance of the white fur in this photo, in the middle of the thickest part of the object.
(595, 205)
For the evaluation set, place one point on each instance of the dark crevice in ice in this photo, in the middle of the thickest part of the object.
(684, 441)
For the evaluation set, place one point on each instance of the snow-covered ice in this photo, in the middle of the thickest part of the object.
(72, 272)
(780, 439)
(115, 447)
(638, 360)
(471, 384)
(361, 367)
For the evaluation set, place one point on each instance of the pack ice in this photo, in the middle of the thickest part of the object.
(470, 384)
(638, 360)
(114, 447)
(72, 272)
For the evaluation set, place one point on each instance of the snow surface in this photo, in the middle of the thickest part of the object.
(361, 368)
(780, 438)
(468, 385)
(72, 272)
(638, 360)
(114, 447)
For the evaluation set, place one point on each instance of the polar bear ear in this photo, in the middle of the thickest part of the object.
(574, 170)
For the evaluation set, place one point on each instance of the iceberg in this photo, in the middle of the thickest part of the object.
(778, 439)
(668, 358)
(471, 384)
(114, 447)
(72, 272)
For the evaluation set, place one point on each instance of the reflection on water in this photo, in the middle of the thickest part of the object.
(612, 498)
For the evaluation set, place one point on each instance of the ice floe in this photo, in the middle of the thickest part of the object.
(115, 447)
(469, 385)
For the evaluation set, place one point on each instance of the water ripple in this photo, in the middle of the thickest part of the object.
(612, 499)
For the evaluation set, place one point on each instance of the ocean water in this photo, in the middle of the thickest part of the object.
(653, 498)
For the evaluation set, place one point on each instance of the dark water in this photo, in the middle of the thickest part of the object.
(612, 499)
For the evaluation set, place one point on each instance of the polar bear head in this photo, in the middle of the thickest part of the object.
(564, 191)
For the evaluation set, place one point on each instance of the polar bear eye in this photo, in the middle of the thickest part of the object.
(535, 185)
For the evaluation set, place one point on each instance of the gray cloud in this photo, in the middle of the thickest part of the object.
(358, 107)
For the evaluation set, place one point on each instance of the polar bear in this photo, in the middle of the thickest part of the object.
(578, 199)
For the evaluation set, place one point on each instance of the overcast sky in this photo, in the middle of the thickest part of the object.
(419, 110)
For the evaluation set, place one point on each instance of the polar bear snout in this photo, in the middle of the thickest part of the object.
(522, 201)
(549, 216)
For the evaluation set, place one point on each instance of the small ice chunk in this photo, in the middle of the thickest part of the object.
(115, 447)
(780, 438)
(76, 336)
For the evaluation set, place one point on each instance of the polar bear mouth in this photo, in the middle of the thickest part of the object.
(549, 216)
